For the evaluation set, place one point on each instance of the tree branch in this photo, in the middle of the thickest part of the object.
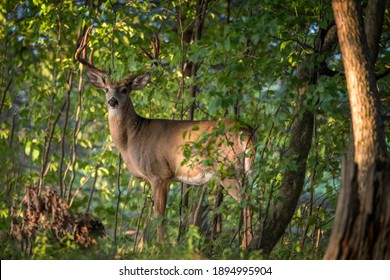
(382, 74)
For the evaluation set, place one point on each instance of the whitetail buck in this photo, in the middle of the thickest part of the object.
(156, 150)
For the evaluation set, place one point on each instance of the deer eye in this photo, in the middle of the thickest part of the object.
(124, 90)
(105, 90)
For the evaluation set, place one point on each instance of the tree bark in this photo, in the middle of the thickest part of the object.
(369, 140)
(362, 224)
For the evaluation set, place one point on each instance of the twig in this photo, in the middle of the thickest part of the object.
(112, 36)
(47, 145)
(74, 145)
(4, 94)
(79, 189)
(119, 197)
(92, 188)
(198, 207)
(139, 219)
(181, 212)
(60, 179)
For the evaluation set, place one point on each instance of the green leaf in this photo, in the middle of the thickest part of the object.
(35, 154)
(27, 148)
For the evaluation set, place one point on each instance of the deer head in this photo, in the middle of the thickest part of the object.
(117, 93)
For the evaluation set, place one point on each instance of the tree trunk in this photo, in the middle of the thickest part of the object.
(292, 183)
(362, 224)
(373, 23)
(301, 137)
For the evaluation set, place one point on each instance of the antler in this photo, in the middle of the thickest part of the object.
(155, 47)
(81, 54)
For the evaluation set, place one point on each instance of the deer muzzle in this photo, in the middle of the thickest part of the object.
(113, 102)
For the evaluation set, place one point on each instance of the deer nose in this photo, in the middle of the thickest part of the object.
(113, 102)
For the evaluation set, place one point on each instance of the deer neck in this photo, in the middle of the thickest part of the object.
(123, 123)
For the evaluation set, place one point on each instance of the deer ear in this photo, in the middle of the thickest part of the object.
(96, 80)
(140, 82)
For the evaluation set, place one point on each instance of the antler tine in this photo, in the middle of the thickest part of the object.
(146, 53)
(81, 57)
(155, 48)
(83, 44)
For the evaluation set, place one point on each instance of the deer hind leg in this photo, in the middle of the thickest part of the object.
(233, 186)
(160, 195)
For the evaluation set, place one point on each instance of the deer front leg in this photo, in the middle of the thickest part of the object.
(160, 195)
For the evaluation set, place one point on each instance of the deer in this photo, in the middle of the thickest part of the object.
(156, 150)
